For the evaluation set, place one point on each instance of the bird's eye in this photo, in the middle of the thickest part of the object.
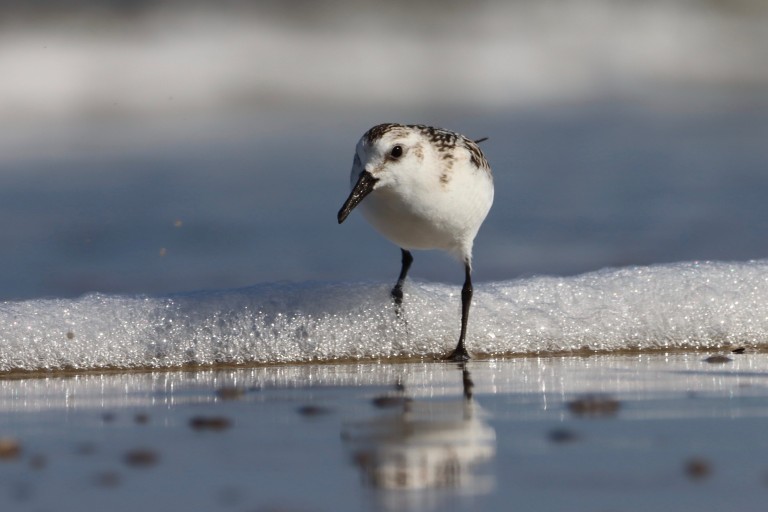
(396, 152)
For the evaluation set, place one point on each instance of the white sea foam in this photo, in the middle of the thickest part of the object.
(684, 305)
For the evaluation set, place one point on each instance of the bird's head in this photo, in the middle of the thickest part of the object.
(387, 156)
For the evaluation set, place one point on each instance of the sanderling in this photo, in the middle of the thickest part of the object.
(426, 188)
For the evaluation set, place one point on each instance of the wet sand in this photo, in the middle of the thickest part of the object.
(625, 432)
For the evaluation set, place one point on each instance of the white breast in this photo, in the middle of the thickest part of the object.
(430, 214)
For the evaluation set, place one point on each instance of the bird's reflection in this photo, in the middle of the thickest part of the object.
(424, 444)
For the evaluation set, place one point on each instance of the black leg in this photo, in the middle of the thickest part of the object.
(461, 354)
(397, 291)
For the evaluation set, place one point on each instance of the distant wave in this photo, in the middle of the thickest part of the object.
(510, 53)
(676, 306)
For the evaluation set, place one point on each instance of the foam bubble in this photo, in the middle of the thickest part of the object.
(686, 305)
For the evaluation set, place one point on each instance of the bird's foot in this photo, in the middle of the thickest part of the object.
(460, 355)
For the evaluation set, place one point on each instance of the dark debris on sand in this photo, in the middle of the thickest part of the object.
(697, 468)
(212, 423)
(563, 435)
(718, 359)
(230, 393)
(387, 401)
(10, 449)
(141, 458)
(311, 411)
(594, 406)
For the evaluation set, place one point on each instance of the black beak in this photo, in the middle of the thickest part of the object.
(363, 187)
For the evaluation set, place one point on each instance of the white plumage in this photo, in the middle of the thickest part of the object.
(422, 188)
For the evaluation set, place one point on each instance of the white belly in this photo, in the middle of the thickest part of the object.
(447, 219)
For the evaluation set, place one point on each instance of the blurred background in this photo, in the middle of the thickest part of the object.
(159, 147)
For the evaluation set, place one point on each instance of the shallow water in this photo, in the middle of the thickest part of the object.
(631, 432)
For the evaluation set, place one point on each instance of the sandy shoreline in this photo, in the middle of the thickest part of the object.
(605, 432)
(67, 372)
